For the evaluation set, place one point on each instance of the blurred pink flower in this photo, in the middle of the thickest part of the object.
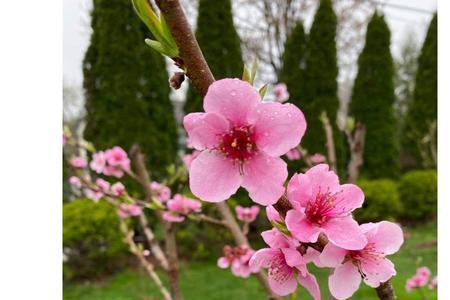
(238, 258)
(117, 157)
(78, 162)
(317, 158)
(102, 184)
(179, 207)
(420, 279)
(118, 189)
(98, 162)
(162, 192)
(293, 154)
(433, 284)
(247, 214)
(146, 252)
(383, 238)
(93, 195)
(128, 210)
(321, 204)
(281, 92)
(241, 139)
(75, 181)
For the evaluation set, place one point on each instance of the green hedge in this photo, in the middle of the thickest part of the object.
(418, 191)
(92, 242)
(382, 201)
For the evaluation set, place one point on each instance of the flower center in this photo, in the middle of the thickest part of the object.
(321, 209)
(278, 269)
(369, 255)
(238, 144)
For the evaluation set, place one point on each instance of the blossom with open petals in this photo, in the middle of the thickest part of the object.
(322, 205)
(317, 158)
(98, 162)
(239, 260)
(118, 189)
(78, 162)
(247, 214)
(241, 139)
(293, 154)
(420, 279)
(286, 266)
(128, 210)
(281, 92)
(179, 207)
(75, 181)
(370, 263)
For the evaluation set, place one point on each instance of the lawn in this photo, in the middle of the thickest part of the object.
(206, 281)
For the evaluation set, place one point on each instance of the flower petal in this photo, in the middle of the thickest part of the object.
(276, 239)
(223, 263)
(232, 98)
(264, 177)
(388, 238)
(312, 255)
(348, 199)
(292, 257)
(377, 271)
(344, 281)
(345, 233)
(301, 228)
(283, 281)
(263, 257)
(277, 127)
(299, 191)
(205, 129)
(332, 256)
(309, 282)
(323, 180)
(213, 178)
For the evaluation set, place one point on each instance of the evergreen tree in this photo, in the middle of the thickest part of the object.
(320, 87)
(220, 44)
(372, 102)
(422, 111)
(126, 88)
(292, 72)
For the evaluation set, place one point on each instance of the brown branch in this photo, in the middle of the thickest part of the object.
(154, 246)
(331, 150)
(144, 262)
(356, 144)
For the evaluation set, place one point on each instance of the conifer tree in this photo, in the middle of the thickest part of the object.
(422, 110)
(220, 45)
(126, 87)
(372, 102)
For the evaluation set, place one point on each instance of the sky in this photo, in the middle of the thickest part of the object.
(76, 31)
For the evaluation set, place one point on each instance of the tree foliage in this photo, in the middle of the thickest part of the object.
(220, 45)
(372, 102)
(126, 89)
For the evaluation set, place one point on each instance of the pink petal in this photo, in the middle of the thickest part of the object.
(344, 281)
(293, 257)
(232, 98)
(332, 256)
(264, 177)
(205, 129)
(345, 233)
(299, 191)
(272, 214)
(223, 262)
(301, 228)
(388, 238)
(276, 239)
(213, 178)
(309, 282)
(263, 257)
(377, 271)
(283, 282)
(348, 199)
(322, 179)
(170, 217)
(313, 256)
(277, 127)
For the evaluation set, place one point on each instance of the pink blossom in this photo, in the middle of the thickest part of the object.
(420, 279)
(162, 192)
(146, 252)
(113, 171)
(317, 158)
(247, 214)
(383, 238)
(238, 258)
(117, 157)
(286, 266)
(241, 139)
(118, 189)
(321, 204)
(93, 195)
(102, 184)
(293, 154)
(188, 158)
(98, 162)
(78, 162)
(75, 181)
(433, 284)
(272, 214)
(281, 92)
(128, 210)
(179, 207)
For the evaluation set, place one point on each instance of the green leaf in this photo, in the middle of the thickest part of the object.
(281, 227)
(262, 91)
(253, 72)
(161, 48)
(246, 74)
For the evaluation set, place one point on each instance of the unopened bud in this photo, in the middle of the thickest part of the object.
(176, 80)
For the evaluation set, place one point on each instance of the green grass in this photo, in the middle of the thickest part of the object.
(206, 281)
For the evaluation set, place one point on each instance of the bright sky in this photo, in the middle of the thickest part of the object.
(402, 23)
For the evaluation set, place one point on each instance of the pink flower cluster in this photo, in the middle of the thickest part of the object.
(78, 162)
(179, 207)
(111, 162)
(247, 214)
(281, 92)
(293, 154)
(128, 210)
(104, 187)
(161, 192)
(421, 279)
(238, 258)
(241, 140)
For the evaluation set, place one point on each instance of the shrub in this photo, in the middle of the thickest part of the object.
(418, 193)
(382, 201)
(92, 241)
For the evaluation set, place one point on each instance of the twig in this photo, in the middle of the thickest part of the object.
(154, 246)
(331, 149)
(356, 144)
